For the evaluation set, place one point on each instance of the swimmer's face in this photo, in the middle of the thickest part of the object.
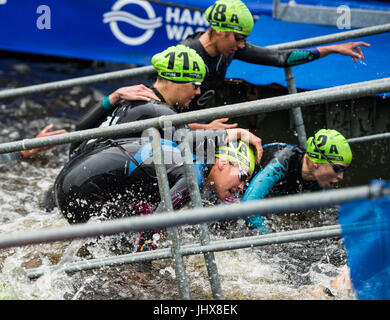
(185, 93)
(326, 176)
(229, 42)
(226, 178)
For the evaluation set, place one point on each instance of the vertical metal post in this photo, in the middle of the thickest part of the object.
(275, 11)
(197, 202)
(163, 185)
(297, 113)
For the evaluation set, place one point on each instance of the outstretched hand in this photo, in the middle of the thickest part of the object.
(43, 133)
(351, 49)
(219, 124)
(245, 135)
(133, 93)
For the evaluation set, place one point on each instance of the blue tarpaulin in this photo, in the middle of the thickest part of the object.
(330, 71)
(366, 232)
(132, 31)
(127, 31)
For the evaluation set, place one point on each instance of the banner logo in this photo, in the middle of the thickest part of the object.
(149, 25)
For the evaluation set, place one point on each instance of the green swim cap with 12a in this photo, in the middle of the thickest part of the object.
(230, 16)
(179, 64)
(332, 143)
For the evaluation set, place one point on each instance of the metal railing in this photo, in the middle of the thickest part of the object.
(293, 11)
(149, 70)
(214, 246)
(308, 98)
(296, 112)
(197, 214)
(286, 204)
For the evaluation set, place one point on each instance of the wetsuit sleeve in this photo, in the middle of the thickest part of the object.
(274, 57)
(260, 186)
(96, 114)
(8, 157)
(179, 194)
(93, 118)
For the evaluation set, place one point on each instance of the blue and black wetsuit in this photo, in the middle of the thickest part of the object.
(279, 173)
(217, 66)
(105, 114)
(117, 178)
(111, 177)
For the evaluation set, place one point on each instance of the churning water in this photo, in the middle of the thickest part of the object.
(286, 271)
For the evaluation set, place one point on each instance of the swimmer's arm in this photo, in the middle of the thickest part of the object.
(275, 57)
(214, 125)
(137, 92)
(259, 187)
(351, 49)
(8, 157)
(285, 58)
(98, 113)
(179, 194)
(263, 182)
(19, 155)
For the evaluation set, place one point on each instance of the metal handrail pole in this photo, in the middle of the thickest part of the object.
(196, 200)
(297, 112)
(373, 137)
(335, 37)
(163, 184)
(301, 99)
(285, 204)
(64, 84)
(193, 249)
(149, 70)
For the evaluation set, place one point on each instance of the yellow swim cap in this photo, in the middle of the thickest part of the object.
(242, 153)
(332, 143)
(179, 64)
(230, 16)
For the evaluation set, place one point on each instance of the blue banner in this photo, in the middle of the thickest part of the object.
(132, 31)
(366, 232)
(127, 31)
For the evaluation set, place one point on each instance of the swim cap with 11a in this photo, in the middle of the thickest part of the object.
(179, 64)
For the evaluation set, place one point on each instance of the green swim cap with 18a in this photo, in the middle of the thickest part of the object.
(332, 143)
(230, 16)
(179, 64)
(238, 151)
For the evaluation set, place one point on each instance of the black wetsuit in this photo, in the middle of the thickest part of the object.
(217, 66)
(279, 173)
(124, 112)
(114, 177)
